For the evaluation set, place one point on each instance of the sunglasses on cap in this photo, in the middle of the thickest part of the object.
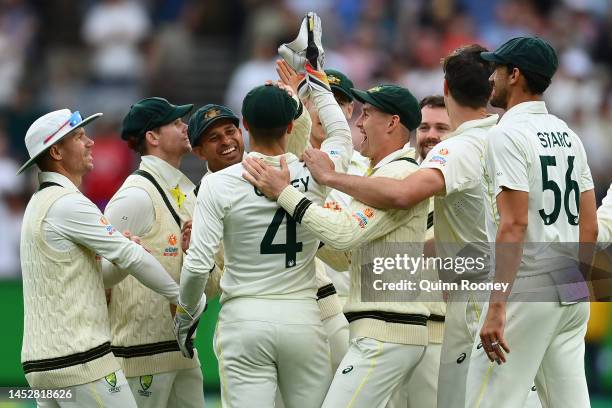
(72, 121)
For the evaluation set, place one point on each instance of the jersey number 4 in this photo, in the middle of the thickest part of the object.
(290, 248)
(570, 186)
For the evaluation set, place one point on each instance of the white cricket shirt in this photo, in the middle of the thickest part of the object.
(533, 151)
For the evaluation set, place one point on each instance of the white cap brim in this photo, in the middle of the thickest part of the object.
(57, 139)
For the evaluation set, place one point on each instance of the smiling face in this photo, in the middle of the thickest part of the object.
(435, 123)
(221, 145)
(373, 125)
(75, 152)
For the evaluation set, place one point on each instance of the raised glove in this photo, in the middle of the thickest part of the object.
(185, 325)
(307, 46)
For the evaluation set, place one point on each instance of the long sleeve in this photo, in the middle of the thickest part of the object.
(300, 135)
(75, 218)
(206, 236)
(338, 143)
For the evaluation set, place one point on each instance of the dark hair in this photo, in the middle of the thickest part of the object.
(433, 101)
(340, 97)
(535, 83)
(468, 75)
(268, 134)
(138, 142)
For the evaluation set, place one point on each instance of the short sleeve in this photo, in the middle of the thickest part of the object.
(507, 161)
(455, 159)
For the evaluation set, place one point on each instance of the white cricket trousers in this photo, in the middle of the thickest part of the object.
(111, 391)
(173, 389)
(262, 344)
(460, 328)
(370, 372)
(546, 342)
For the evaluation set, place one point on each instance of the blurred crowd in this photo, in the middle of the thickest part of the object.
(102, 56)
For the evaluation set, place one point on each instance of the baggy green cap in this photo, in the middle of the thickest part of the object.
(205, 117)
(394, 100)
(340, 82)
(531, 54)
(150, 113)
(268, 106)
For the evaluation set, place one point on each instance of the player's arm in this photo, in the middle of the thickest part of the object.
(79, 220)
(338, 144)
(508, 168)
(379, 192)
(343, 229)
(130, 210)
(206, 236)
(604, 221)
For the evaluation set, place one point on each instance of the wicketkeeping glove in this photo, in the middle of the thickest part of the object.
(185, 325)
(307, 46)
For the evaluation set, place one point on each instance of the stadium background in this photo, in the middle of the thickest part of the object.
(102, 56)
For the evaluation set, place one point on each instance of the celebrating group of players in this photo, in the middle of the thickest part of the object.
(283, 233)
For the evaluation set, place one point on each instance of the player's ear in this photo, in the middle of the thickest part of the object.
(289, 128)
(445, 88)
(152, 138)
(245, 124)
(350, 107)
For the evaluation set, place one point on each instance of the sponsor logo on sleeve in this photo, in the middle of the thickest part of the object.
(109, 228)
(438, 159)
(443, 151)
(361, 219)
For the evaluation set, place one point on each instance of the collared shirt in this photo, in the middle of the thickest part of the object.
(74, 219)
(459, 211)
(533, 151)
(132, 208)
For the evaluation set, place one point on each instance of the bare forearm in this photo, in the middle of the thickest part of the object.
(508, 254)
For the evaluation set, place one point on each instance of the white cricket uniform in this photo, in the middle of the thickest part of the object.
(459, 223)
(269, 331)
(388, 336)
(533, 151)
(64, 236)
(604, 221)
(141, 323)
(421, 389)
(337, 199)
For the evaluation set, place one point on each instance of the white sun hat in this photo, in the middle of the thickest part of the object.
(50, 129)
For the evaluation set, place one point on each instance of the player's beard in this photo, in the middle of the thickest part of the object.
(499, 98)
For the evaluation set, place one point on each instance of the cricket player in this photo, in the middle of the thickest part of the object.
(422, 388)
(388, 339)
(67, 341)
(538, 174)
(269, 332)
(154, 203)
(452, 173)
(604, 221)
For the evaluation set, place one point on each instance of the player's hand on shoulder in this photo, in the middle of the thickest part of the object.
(134, 238)
(186, 235)
(319, 164)
(267, 179)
